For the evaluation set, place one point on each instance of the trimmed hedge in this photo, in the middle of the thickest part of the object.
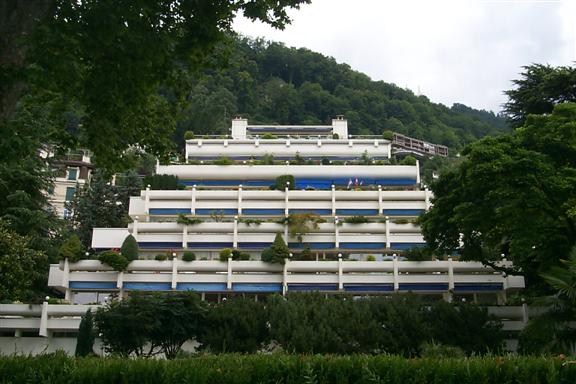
(280, 368)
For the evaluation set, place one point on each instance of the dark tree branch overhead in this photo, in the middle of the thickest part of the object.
(110, 57)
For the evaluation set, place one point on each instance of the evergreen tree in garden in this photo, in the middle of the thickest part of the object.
(86, 336)
(71, 249)
(280, 250)
(130, 248)
(97, 204)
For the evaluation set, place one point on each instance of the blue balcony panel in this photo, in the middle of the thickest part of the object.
(423, 287)
(263, 288)
(404, 246)
(169, 211)
(363, 245)
(201, 287)
(311, 210)
(159, 245)
(210, 211)
(254, 245)
(312, 287)
(262, 212)
(92, 285)
(311, 245)
(302, 183)
(143, 286)
(210, 245)
(478, 287)
(357, 212)
(368, 287)
(403, 212)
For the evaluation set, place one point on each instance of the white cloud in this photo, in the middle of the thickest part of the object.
(452, 50)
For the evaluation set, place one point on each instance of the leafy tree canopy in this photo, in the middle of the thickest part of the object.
(23, 268)
(539, 90)
(511, 195)
(111, 57)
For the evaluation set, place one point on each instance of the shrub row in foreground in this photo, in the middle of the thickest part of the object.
(297, 369)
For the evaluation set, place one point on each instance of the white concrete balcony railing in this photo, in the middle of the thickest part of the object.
(310, 174)
(44, 318)
(262, 203)
(289, 148)
(375, 237)
(355, 277)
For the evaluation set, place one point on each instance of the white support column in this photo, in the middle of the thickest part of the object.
(395, 266)
(417, 172)
(240, 200)
(120, 280)
(174, 273)
(450, 275)
(380, 204)
(66, 278)
(147, 202)
(387, 232)
(333, 200)
(43, 331)
(336, 232)
(185, 236)
(285, 277)
(235, 235)
(340, 274)
(447, 297)
(229, 277)
(525, 313)
(193, 200)
(286, 199)
(135, 227)
(427, 198)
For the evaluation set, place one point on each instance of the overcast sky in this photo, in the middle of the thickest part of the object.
(463, 51)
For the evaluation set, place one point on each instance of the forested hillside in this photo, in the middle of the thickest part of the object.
(270, 83)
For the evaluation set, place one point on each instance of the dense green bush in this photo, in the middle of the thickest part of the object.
(146, 324)
(224, 160)
(71, 249)
(188, 135)
(225, 254)
(280, 183)
(188, 256)
(114, 259)
(234, 325)
(185, 220)
(163, 182)
(287, 369)
(356, 220)
(161, 257)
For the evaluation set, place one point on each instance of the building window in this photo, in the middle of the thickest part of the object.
(70, 193)
(72, 173)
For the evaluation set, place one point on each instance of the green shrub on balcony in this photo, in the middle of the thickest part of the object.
(225, 254)
(356, 220)
(278, 252)
(188, 256)
(114, 260)
(224, 160)
(185, 220)
(188, 135)
(161, 257)
(71, 249)
(280, 182)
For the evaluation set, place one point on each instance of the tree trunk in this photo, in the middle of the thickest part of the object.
(18, 18)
